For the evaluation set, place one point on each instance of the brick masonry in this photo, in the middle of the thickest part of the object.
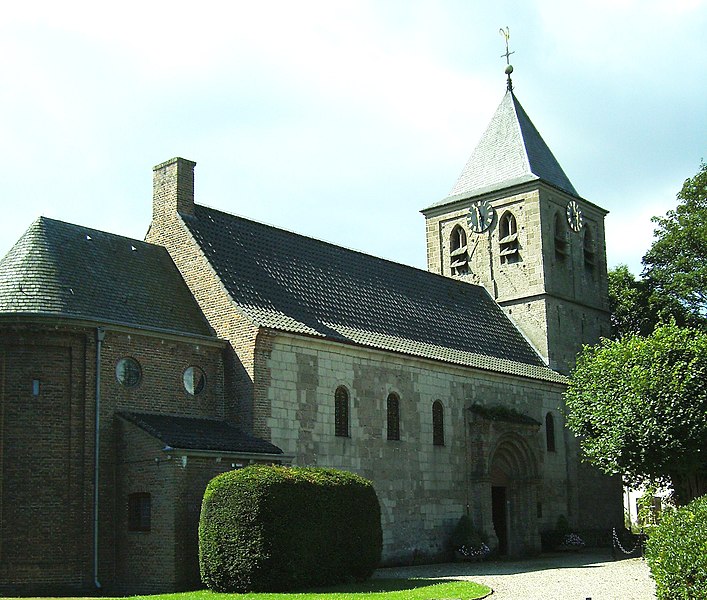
(47, 447)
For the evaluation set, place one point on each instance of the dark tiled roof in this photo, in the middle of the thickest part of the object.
(193, 433)
(64, 269)
(289, 282)
(510, 152)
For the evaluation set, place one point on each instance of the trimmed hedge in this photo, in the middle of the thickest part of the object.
(273, 528)
(677, 553)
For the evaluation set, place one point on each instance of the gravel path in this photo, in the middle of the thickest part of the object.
(590, 574)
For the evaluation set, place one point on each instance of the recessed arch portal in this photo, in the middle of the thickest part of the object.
(513, 471)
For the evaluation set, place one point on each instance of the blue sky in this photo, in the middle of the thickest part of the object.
(339, 119)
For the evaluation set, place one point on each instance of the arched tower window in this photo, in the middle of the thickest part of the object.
(550, 432)
(393, 412)
(560, 234)
(437, 423)
(589, 253)
(341, 412)
(508, 238)
(458, 254)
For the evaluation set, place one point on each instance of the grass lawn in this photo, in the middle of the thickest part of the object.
(373, 589)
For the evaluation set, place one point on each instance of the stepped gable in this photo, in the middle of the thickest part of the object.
(510, 152)
(199, 433)
(61, 269)
(288, 282)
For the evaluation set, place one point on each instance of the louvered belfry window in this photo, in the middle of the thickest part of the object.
(341, 412)
(560, 237)
(393, 408)
(458, 253)
(437, 423)
(508, 238)
(589, 256)
(550, 432)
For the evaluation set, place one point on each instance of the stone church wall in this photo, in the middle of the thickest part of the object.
(423, 488)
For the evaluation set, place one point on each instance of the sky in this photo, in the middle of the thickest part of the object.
(342, 119)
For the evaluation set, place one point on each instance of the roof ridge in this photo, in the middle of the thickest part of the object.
(294, 283)
(337, 246)
(42, 218)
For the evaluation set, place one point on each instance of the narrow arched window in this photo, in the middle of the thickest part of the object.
(458, 254)
(560, 234)
(508, 238)
(589, 255)
(550, 432)
(437, 423)
(341, 412)
(393, 412)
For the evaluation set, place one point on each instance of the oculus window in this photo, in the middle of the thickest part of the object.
(194, 380)
(128, 372)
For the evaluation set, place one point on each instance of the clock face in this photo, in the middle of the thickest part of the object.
(574, 216)
(480, 216)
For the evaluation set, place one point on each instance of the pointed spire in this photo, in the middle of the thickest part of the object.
(510, 152)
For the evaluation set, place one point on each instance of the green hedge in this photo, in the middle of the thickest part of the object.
(677, 553)
(272, 528)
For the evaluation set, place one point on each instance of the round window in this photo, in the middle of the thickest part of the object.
(128, 372)
(194, 380)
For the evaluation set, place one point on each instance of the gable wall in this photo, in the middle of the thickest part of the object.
(423, 489)
(169, 230)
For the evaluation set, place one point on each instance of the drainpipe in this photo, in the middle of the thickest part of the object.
(100, 335)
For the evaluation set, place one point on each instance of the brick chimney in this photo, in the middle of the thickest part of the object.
(172, 189)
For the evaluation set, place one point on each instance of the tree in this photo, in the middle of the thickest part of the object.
(628, 303)
(676, 263)
(639, 407)
(637, 307)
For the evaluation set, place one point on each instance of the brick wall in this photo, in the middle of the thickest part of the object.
(43, 497)
(47, 442)
(168, 230)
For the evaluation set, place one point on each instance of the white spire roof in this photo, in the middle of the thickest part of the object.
(511, 151)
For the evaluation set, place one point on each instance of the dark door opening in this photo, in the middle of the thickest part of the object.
(499, 517)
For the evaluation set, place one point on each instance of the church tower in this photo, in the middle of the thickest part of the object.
(515, 224)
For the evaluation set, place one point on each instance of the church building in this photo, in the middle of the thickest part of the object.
(132, 372)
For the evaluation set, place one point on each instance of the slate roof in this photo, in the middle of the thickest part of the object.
(293, 283)
(61, 269)
(195, 433)
(510, 152)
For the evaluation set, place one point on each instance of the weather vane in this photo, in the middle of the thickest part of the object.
(506, 33)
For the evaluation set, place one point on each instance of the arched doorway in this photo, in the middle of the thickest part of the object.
(514, 481)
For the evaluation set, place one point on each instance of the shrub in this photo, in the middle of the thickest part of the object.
(677, 552)
(272, 528)
(467, 540)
